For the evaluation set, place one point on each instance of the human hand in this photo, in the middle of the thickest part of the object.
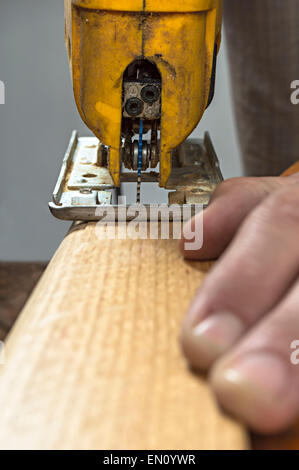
(245, 316)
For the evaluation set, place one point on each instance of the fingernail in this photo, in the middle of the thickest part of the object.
(253, 387)
(211, 338)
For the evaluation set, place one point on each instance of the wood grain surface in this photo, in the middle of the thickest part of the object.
(94, 360)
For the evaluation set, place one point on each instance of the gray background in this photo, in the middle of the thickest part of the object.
(37, 119)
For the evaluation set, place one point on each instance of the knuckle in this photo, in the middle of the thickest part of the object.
(244, 188)
(232, 184)
(284, 204)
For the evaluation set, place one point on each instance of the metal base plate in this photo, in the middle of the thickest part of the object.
(84, 187)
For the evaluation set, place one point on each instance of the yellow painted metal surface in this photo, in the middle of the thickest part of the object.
(103, 38)
(148, 5)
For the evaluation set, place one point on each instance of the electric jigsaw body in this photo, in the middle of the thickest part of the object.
(143, 74)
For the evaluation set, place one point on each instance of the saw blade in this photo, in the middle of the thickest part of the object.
(139, 169)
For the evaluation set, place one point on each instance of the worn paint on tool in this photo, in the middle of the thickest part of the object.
(148, 5)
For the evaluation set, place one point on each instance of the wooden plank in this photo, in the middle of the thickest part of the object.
(16, 282)
(292, 170)
(94, 360)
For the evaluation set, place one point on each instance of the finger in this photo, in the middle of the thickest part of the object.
(230, 204)
(258, 381)
(250, 278)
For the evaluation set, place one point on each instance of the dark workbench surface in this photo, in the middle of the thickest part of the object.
(17, 281)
